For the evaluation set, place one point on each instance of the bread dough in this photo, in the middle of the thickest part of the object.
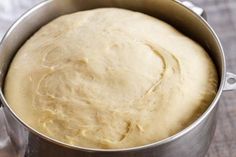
(110, 78)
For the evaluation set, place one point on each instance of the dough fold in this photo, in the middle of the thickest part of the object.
(110, 78)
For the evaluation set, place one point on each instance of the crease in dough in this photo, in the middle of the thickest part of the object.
(110, 78)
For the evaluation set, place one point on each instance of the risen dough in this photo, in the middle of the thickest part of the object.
(110, 78)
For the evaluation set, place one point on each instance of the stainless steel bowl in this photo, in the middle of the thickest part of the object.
(191, 142)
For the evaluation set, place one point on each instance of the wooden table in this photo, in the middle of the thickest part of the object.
(222, 17)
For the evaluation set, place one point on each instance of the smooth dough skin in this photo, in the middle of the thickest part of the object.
(110, 78)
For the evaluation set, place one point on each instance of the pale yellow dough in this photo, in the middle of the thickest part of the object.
(110, 78)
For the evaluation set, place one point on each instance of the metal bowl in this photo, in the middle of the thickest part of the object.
(193, 141)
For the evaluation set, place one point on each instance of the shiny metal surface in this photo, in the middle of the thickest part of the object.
(230, 83)
(199, 11)
(191, 142)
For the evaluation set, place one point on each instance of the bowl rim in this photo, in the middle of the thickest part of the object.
(151, 145)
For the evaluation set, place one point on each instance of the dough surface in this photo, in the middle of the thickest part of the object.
(110, 78)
